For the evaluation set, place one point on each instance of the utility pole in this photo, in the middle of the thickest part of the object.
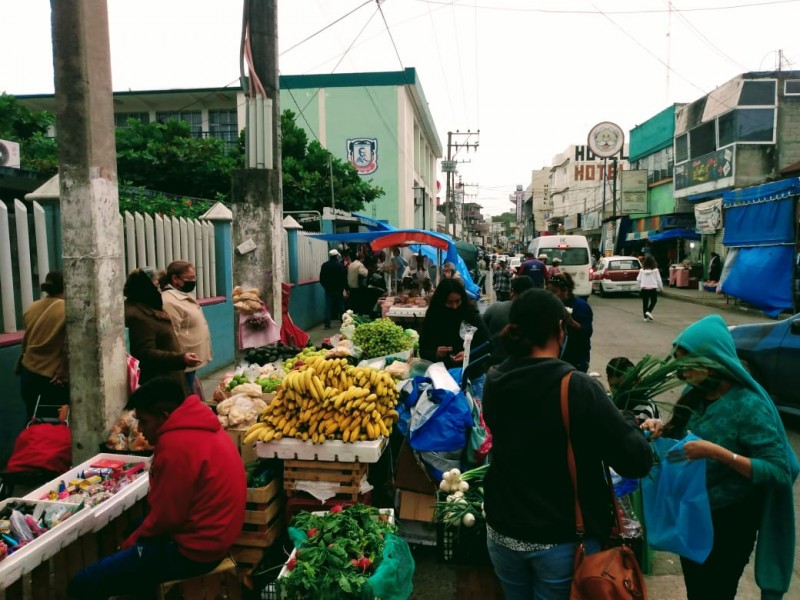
(256, 191)
(449, 195)
(90, 220)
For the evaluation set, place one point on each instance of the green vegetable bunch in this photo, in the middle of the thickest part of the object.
(461, 497)
(651, 377)
(338, 552)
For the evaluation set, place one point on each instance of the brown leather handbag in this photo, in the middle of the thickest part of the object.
(612, 573)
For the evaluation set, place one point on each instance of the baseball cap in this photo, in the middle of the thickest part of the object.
(542, 256)
(333, 252)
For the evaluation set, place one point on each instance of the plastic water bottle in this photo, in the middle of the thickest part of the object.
(631, 527)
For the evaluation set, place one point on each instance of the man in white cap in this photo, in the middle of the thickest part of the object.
(333, 279)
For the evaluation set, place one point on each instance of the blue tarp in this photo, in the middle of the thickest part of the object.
(762, 276)
(367, 237)
(763, 223)
(768, 192)
(674, 234)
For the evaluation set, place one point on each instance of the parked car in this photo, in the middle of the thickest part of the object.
(771, 352)
(615, 274)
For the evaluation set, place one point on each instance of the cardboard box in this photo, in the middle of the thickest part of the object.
(410, 475)
(414, 506)
(247, 452)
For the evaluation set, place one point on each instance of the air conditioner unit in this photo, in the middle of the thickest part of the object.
(9, 154)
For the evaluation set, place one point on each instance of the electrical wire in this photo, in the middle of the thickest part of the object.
(328, 26)
(458, 54)
(441, 62)
(678, 12)
(616, 12)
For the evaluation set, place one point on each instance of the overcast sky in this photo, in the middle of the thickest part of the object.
(533, 75)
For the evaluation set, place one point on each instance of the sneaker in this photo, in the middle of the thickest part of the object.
(646, 320)
(648, 316)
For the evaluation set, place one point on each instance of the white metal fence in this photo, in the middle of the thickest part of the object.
(311, 253)
(15, 251)
(148, 241)
(156, 241)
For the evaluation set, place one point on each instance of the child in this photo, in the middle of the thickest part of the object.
(642, 408)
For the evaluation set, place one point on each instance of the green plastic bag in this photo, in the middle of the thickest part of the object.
(394, 578)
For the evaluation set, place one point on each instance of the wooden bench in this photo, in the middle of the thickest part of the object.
(222, 582)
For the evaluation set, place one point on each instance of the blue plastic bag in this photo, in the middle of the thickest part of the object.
(676, 508)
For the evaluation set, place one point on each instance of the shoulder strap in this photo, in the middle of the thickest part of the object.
(39, 320)
(570, 453)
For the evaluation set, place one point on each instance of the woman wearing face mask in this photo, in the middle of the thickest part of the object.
(531, 518)
(150, 331)
(441, 340)
(191, 327)
(750, 466)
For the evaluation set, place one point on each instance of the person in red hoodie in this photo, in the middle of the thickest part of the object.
(196, 500)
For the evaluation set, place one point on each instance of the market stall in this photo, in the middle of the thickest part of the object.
(69, 523)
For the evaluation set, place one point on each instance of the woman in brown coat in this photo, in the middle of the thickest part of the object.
(152, 338)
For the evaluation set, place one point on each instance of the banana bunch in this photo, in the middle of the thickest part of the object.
(327, 399)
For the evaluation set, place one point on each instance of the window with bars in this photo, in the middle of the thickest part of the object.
(121, 119)
(192, 117)
(223, 124)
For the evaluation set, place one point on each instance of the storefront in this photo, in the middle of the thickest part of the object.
(761, 238)
(708, 217)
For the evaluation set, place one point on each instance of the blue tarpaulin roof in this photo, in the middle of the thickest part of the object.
(674, 234)
(451, 255)
(768, 192)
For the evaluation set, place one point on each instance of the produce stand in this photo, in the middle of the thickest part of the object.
(90, 534)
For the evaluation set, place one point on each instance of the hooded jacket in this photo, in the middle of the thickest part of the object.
(775, 465)
(197, 485)
(528, 491)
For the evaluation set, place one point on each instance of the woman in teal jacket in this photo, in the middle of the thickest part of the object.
(750, 468)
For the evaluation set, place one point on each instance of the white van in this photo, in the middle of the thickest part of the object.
(576, 259)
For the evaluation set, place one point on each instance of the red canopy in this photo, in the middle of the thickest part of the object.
(408, 238)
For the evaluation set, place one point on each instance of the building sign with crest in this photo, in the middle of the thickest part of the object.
(363, 154)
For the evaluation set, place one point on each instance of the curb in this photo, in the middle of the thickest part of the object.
(708, 303)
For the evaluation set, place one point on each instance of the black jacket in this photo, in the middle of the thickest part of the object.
(528, 492)
(333, 276)
(442, 327)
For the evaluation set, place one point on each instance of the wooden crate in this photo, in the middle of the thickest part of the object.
(347, 476)
(263, 517)
(247, 452)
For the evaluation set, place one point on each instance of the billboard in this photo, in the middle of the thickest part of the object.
(634, 191)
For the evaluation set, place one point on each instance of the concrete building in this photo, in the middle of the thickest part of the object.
(379, 122)
(541, 202)
(582, 195)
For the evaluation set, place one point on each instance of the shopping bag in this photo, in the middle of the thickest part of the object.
(676, 508)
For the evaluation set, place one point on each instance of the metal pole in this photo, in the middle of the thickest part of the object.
(448, 200)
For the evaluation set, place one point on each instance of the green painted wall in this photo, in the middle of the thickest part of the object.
(652, 135)
(357, 112)
(660, 200)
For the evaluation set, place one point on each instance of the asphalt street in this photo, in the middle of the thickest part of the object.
(619, 331)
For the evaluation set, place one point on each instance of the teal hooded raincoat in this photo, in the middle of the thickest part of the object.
(709, 338)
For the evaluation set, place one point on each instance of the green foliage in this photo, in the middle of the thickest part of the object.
(166, 157)
(135, 199)
(326, 565)
(508, 217)
(307, 174)
(38, 152)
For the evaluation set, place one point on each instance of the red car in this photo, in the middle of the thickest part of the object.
(614, 274)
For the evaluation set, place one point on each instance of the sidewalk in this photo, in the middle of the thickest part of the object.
(709, 299)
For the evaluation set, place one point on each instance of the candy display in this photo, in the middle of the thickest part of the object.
(98, 483)
(23, 521)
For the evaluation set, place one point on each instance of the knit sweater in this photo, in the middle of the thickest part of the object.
(649, 279)
(45, 333)
(760, 432)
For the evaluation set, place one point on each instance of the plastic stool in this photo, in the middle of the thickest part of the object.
(222, 582)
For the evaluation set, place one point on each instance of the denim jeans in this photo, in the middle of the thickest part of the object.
(540, 575)
(135, 571)
(334, 307)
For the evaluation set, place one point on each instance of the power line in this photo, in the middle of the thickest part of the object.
(458, 54)
(616, 12)
(328, 26)
(441, 62)
(703, 37)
